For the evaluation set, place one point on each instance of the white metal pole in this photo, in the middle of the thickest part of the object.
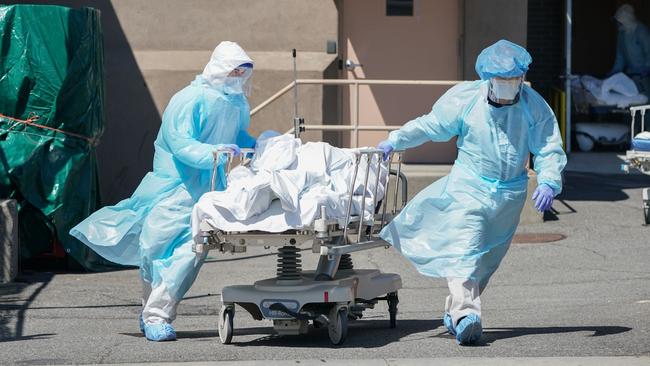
(567, 80)
(356, 118)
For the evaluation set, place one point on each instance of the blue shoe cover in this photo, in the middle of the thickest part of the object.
(446, 319)
(469, 330)
(159, 332)
(141, 324)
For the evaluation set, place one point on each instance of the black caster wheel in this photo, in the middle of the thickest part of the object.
(338, 325)
(392, 300)
(226, 317)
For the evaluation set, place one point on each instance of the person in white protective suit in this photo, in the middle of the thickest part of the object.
(461, 226)
(152, 228)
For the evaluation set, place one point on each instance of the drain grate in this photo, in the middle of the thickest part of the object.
(537, 238)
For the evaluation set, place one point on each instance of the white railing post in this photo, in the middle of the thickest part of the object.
(356, 119)
(643, 119)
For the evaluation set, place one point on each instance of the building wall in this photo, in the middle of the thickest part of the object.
(487, 21)
(546, 43)
(269, 25)
(153, 48)
(419, 47)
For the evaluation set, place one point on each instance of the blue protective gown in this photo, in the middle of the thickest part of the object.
(462, 225)
(633, 51)
(633, 56)
(151, 229)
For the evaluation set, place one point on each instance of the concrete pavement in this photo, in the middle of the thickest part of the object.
(457, 361)
(585, 296)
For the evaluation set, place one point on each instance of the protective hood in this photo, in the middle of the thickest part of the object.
(225, 58)
(503, 59)
(625, 16)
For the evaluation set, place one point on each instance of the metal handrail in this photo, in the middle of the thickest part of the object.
(354, 127)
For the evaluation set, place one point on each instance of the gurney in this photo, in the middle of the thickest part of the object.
(335, 292)
(638, 157)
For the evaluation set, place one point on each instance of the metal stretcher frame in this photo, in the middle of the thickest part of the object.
(323, 228)
(639, 160)
(320, 296)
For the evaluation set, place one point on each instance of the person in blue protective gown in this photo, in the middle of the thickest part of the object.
(632, 48)
(152, 228)
(461, 226)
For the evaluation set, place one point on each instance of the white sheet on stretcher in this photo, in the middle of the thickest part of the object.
(617, 89)
(285, 185)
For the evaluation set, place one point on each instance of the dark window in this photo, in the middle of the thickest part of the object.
(399, 8)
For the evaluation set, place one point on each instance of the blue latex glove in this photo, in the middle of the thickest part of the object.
(543, 197)
(386, 147)
(232, 147)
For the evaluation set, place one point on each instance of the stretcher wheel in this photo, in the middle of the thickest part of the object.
(392, 300)
(338, 325)
(226, 317)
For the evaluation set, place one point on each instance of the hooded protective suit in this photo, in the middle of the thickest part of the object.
(461, 226)
(152, 228)
(632, 48)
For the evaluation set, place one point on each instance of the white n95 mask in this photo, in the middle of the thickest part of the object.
(505, 89)
(233, 85)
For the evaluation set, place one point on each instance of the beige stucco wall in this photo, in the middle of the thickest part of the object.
(259, 25)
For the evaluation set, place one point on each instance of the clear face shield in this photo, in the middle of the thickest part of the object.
(239, 81)
(505, 90)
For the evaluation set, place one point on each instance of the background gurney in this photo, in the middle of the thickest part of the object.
(638, 156)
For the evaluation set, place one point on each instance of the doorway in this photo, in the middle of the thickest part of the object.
(398, 40)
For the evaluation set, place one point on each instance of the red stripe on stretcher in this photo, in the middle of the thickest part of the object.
(326, 296)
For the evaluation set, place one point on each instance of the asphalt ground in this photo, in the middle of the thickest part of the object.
(585, 295)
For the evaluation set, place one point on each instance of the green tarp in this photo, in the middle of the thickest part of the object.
(51, 68)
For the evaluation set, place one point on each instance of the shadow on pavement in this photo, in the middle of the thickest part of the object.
(361, 334)
(107, 306)
(600, 187)
(28, 338)
(11, 313)
(213, 333)
(491, 335)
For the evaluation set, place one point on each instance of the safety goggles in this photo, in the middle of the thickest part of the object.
(241, 71)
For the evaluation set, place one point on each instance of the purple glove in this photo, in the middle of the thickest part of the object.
(386, 147)
(543, 197)
(232, 147)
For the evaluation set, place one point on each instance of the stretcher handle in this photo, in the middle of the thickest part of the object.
(399, 177)
(371, 155)
(230, 157)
